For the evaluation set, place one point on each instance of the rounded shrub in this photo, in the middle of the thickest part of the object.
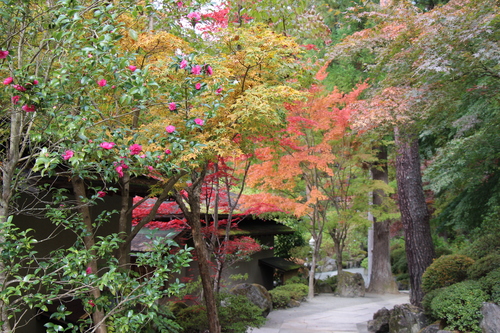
(445, 271)
(280, 298)
(483, 266)
(491, 285)
(460, 306)
(427, 300)
(282, 295)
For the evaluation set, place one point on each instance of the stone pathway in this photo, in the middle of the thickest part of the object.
(326, 313)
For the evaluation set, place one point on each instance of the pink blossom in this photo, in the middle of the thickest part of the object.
(199, 121)
(68, 154)
(8, 80)
(194, 16)
(172, 106)
(209, 70)
(197, 86)
(4, 54)
(142, 156)
(91, 303)
(19, 87)
(107, 145)
(28, 108)
(170, 129)
(88, 270)
(168, 151)
(35, 82)
(150, 168)
(113, 87)
(183, 63)
(196, 70)
(132, 68)
(180, 4)
(119, 170)
(101, 194)
(135, 149)
(102, 82)
(219, 90)
(15, 99)
(90, 55)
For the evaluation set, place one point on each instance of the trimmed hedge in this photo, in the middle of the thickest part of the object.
(445, 271)
(282, 295)
(483, 266)
(460, 305)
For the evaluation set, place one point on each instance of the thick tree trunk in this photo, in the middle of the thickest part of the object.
(98, 317)
(381, 279)
(414, 213)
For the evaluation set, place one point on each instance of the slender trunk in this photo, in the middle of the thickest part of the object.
(381, 279)
(414, 213)
(192, 215)
(312, 270)
(124, 223)
(98, 317)
(338, 253)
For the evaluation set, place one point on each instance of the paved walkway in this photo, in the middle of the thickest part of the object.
(326, 313)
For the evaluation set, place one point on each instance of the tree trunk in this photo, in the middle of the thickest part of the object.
(312, 270)
(124, 223)
(98, 317)
(381, 279)
(414, 213)
(192, 216)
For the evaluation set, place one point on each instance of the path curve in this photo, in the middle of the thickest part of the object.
(326, 313)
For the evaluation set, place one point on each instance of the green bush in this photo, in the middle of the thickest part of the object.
(483, 266)
(282, 295)
(490, 284)
(427, 300)
(297, 279)
(280, 298)
(236, 315)
(460, 306)
(446, 271)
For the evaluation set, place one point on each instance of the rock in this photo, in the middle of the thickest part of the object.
(491, 318)
(434, 328)
(293, 303)
(257, 294)
(380, 322)
(351, 285)
(322, 287)
(407, 318)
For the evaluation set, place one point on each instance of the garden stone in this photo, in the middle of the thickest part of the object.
(407, 318)
(351, 285)
(434, 328)
(491, 318)
(380, 322)
(293, 303)
(257, 294)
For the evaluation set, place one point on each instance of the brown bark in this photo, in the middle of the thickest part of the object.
(192, 215)
(98, 317)
(414, 213)
(124, 223)
(381, 279)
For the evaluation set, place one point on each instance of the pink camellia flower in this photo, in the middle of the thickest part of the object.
(150, 168)
(4, 54)
(19, 87)
(172, 106)
(35, 82)
(91, 303)
(8, 80)
(88, 270)
(28, 108)
(199, 121)
(102, 82)
(15, 99)
(170, 129)
(219, 90)
(101, 194)
(107, 145)
(135, 149)
(119, 170)
(194, 16)
(209, 70)
(132, 68)
(180, 4)
(68, 154)
(197, 86)
(183, 64)
(113, 87)
(168, 151)
(196, 70)
(142, 156)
